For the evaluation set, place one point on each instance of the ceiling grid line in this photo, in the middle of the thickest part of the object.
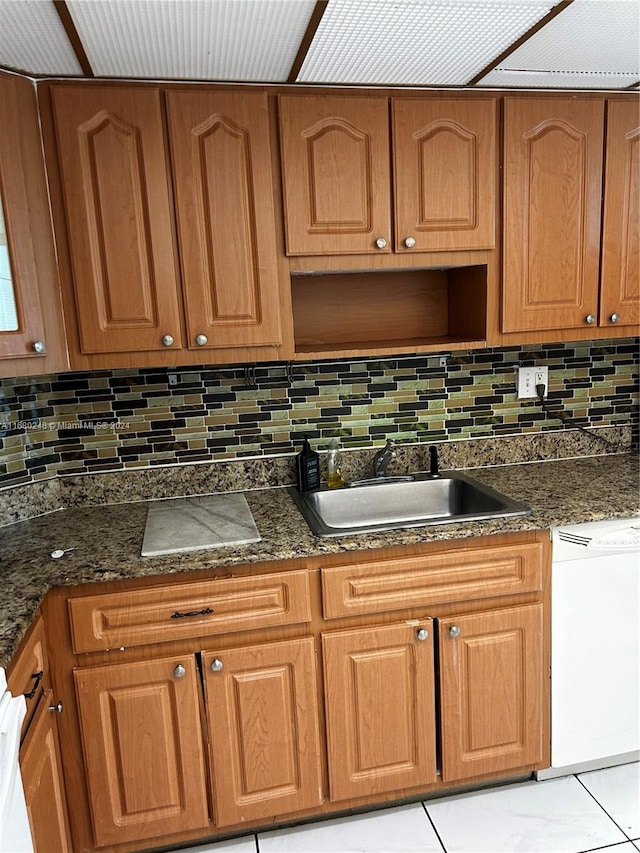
(560, 7)
(72, 33)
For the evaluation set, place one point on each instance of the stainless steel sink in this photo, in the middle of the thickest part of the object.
(394, 503)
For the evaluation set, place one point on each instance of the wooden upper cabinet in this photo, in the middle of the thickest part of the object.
(552, 200)
(335, 173)
(620, 278)
(119, 219)
(143, 751)
(491, 691)
(31, 328)
(262, 717)
(445, 169)
(221, 157)
(380, 706)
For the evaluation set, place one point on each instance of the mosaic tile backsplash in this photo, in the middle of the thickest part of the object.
(107, 420)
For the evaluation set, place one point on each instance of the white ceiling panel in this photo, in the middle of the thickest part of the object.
(33, 39)
(592, 43)
(504, 78)
(414, 42)
(192, 39)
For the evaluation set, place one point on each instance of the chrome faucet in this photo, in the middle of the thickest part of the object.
(383, 458)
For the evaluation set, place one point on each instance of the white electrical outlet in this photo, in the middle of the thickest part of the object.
(528, 378)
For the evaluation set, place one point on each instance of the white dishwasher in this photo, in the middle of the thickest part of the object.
(595, 637)
(15, 835)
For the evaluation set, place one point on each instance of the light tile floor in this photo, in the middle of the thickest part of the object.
(599, 810)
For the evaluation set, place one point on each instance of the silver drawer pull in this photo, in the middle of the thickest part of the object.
(216, 665)
(422, 634)
(454, 631)
(57, 708)
(204, 612)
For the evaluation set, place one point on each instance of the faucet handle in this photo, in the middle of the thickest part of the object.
(433, 462)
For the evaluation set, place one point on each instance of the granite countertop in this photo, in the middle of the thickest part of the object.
(106, 540)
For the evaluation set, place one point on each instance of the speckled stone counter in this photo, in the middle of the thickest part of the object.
(106, 540)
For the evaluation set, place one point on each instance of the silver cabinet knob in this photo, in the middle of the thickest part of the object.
(39, 347)
(422, 634)
(590, 319)
(381, 243)
(57, 708)
(167, 340)
(454, 631)
(179, 671)
(410, 242)
(201, 340)
(614, 318)
(216, 665)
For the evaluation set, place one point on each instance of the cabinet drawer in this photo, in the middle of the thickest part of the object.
(181, 611)
(401, 584)
(28, 671)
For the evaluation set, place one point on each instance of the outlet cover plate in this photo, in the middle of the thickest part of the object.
(528, 378)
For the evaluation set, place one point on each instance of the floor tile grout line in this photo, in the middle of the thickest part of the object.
(593, 796)
(430, 819)
(255, 838)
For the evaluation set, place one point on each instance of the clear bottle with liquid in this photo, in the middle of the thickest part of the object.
(334, 474)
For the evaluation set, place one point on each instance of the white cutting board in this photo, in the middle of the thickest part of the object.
(196, 523)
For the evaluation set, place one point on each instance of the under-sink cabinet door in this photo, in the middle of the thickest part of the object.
(491, 691)
(380, 707)
(262, 712)
(143, 748)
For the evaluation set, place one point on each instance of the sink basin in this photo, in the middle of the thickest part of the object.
(393, 504)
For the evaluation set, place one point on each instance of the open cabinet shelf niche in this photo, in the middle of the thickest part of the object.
(389, 311)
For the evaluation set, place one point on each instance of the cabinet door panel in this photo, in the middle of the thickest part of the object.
(380, 705)
(30, 309)
(143, 749)
(44, 790)
(221, 155)
(263, 730)
(620, 282)
(445, 173)
(491, 691)
(552, 196)
(115, 183)
(335, 173)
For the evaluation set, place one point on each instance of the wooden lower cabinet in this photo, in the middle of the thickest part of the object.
(380, 706)
(407, 671)
(44, 791)
(491, 691)
(143, 755)
(262, 719)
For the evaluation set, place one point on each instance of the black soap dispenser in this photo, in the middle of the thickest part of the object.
(308, 465)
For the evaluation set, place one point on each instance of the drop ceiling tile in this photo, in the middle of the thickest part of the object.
(590, 43)
(192, 39)
(505, 78)
(33, 39)
(414, 42)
